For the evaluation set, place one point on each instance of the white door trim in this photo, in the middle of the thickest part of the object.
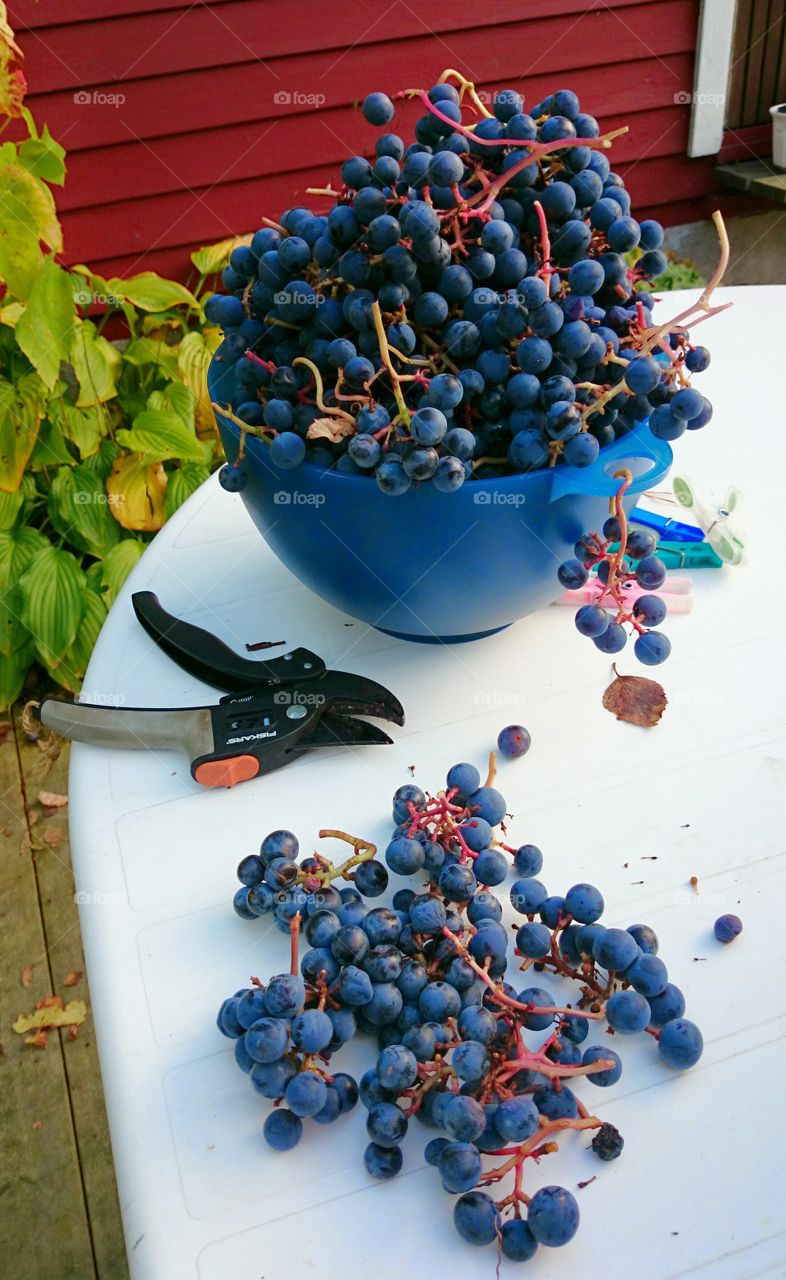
(711, 77)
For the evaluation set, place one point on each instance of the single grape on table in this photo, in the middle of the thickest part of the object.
(490, 1069)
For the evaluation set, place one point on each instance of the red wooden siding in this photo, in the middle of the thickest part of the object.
(202, 145)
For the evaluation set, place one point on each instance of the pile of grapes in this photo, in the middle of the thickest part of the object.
(465, 307)
(488, 1068)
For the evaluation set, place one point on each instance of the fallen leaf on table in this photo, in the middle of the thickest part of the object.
(635, 699)
(52, 799)
(27, 975)
(39, 1041)
(53, 836)
(48, 1014)
(38, 1124)
(71, 979)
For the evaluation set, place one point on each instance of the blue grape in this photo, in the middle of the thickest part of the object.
(476, 1218)
(306, 1093)
(628, 1012)
(386, 1124)
(615, 949)
(514, 741)
(282, 1130)
(553, 1216)
(648, 975)
(459, 1166)
(382, 1162)
(727, 928)
(603, 1076)
(652, 648)
(516, 1240)
(592, 620)
(585, 903)
(680, 1044)
(666, 1006)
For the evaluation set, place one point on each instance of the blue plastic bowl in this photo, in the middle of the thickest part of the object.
(433, 566)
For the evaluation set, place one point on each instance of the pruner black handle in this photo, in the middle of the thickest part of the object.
(209, 659)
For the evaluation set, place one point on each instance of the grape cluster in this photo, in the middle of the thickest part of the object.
(626, 565)
(467, 306)
(489, 1069)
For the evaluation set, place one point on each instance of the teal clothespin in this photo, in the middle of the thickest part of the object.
(688, 555)
(684, 555)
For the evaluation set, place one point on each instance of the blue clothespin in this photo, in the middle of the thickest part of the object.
(672, 530)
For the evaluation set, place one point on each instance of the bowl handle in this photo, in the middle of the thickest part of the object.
(598, 478)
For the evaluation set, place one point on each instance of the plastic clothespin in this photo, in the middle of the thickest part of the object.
(688, 555)
(679, 601)
(721, 522)
(674, 530)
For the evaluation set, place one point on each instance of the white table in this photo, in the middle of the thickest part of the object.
(699, 1190)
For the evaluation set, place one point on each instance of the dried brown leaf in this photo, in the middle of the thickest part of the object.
(54, 836)
(330, 429)
(50, 1002)
(72, 978)
(635, 699)
(27, 975)
(52, 799)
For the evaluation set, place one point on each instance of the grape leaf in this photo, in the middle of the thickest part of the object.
(635, 699)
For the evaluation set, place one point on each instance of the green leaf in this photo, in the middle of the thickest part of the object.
(50, 449)
(53, 590)
(13, 670)
(160, 435)
(93, 576)
(214, 257)
(151, 292)
(21, 410)
(142, 351)
(182, 483)
(96, 364)
(103, 460)
(45, 329)
(70, 672)
(78, 507)
(178, 399)
(117, 565)
(29, 216)
(16, 505)
(44, 158)
(83, 427)
(17, 550)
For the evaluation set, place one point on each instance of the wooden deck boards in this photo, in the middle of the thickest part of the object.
(59, 1214)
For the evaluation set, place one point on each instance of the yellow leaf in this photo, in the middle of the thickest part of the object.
(29, 201)
(73, 1015)
(330, 429)
(214, 257)
(10, 314)
(136, 489)
(193, 360)
(21, 410)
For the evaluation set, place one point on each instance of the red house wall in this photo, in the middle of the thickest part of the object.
(185, 124)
